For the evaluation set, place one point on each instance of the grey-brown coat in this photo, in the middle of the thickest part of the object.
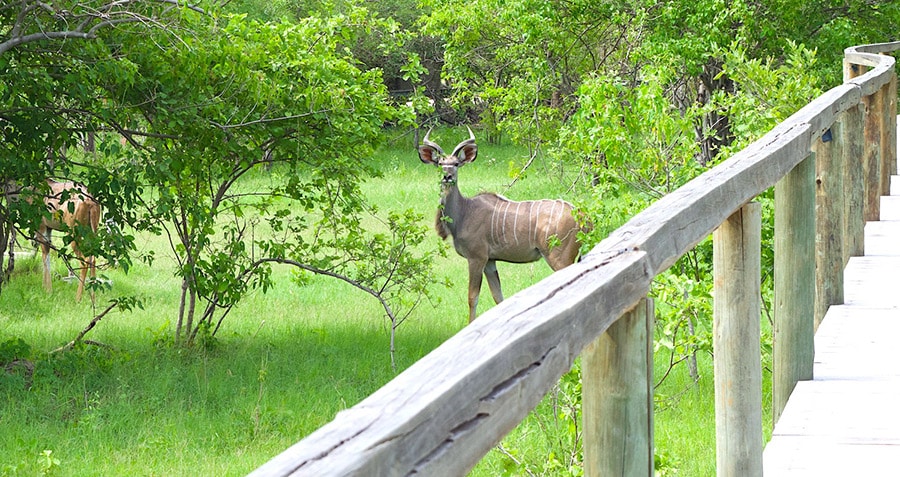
(488, 227)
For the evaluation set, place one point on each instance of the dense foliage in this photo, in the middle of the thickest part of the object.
(242, 131)
(179, 109)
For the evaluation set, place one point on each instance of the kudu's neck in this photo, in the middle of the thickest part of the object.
(451, 212)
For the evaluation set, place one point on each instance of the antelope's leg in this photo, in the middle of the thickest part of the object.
(44, 240)
(92, 263)
(493, 279)
(86, 263)
(476, 269)
(82, 278)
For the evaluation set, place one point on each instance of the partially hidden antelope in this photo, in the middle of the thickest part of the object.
(489, 227)
(74, 210)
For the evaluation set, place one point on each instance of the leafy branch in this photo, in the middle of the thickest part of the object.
(87, 20)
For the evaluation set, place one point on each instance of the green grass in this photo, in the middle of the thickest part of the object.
(285, 362)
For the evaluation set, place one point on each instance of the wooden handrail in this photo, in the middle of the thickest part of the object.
(445, 412)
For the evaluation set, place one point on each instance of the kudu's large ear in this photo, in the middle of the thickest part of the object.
(428, 155)
(467, 150)
(429, 152)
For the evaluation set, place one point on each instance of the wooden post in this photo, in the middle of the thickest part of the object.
(888, 165)
(617, 397)
(872, 128)
(889, 149)
(736, 331)
(795, 272)
(852, 147)
(829, 225)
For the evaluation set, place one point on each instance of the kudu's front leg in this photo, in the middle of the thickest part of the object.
(493, 279)
(476, 269)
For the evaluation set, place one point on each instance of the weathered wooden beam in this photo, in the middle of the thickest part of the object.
(885, 47)
(617, 397)
(675, 223)
(795, 291)
(823, 111)
(736, 353)
(441, 415)
(881, 66)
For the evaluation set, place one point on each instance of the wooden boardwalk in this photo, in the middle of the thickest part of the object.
(846, 421)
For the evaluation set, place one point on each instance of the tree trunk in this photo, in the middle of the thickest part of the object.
(4, 240)
(714, 131)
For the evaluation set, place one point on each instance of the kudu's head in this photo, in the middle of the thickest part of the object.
(464, 153)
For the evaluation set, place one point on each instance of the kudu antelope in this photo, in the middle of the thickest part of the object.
(489, 227)
(70, 207)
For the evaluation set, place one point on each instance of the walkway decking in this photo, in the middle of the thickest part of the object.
(846, 421)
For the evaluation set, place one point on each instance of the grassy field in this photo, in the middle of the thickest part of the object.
(285, 361)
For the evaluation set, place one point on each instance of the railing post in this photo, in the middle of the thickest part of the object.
(829, 224)
(736, 332)
(795, 275)
(889, 146)
(873, 127)
(617, 397)
(852, 147)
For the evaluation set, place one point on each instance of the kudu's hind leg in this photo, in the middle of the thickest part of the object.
(493, 279)
(85, 264)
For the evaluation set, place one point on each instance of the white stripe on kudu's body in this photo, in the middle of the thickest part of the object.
(548, 231)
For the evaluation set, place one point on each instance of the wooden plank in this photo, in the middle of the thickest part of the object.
(890, 207)
(443, 413)
(850, 344)
(617, 397)
(883, 238)
(736, 354)
(802, 456)
(872, 281)
(843, 411)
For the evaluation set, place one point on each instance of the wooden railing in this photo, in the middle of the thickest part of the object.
(445, 412)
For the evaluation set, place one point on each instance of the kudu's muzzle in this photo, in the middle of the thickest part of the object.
(450, 173)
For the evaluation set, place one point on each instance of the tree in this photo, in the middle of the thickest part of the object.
(315, 115)
(647, 95)
(522, 61)
(50, 98)
(186, 115)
